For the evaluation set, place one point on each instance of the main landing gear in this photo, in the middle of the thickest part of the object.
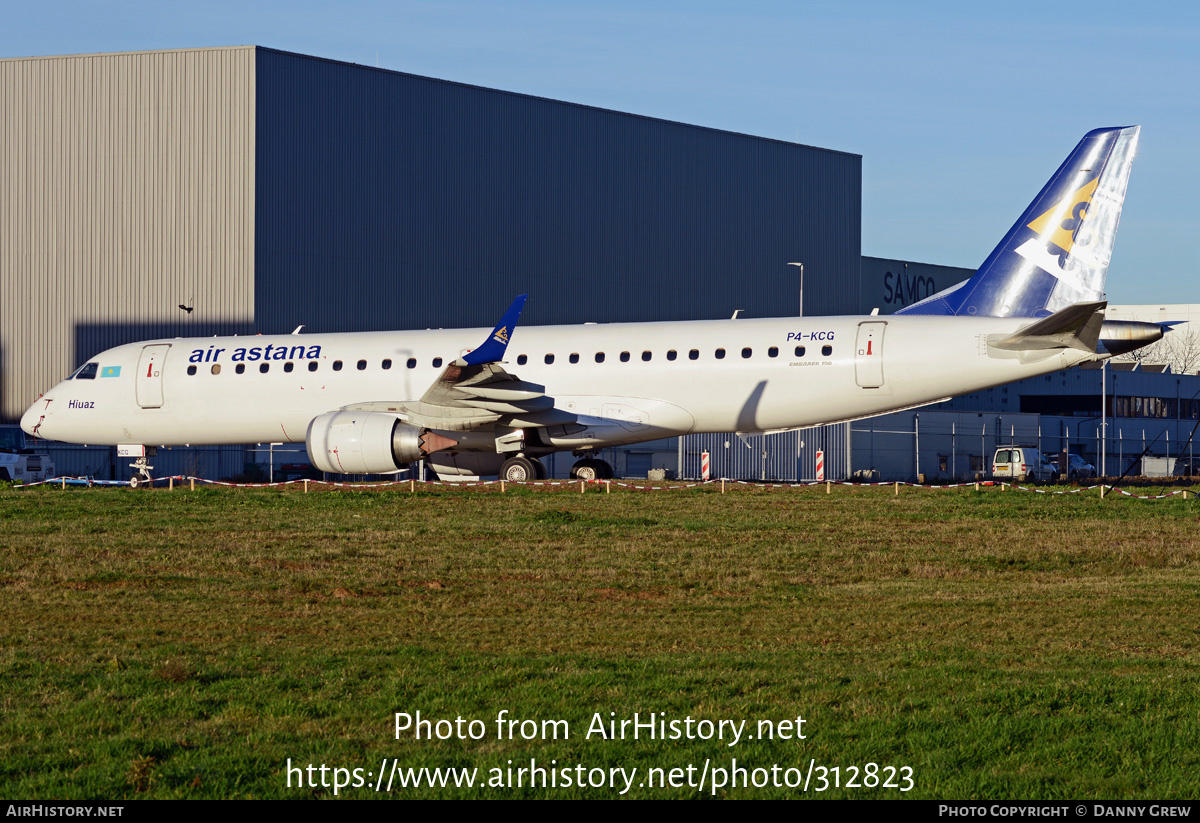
(521, 468)
(591, 469)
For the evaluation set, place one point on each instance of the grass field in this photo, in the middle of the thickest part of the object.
(1000, 644)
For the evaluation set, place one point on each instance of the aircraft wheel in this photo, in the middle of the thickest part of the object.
(518, 470)
(604, 469)
(585, 470)
(539, 469)
(135, 481)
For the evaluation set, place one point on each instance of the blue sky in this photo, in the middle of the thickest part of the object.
(961, 111)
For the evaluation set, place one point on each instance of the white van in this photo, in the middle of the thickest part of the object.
(1022, 463)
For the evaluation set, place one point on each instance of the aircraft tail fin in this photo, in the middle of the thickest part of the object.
(1056, 255)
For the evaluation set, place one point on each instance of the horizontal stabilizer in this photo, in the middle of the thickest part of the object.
(1075, 327)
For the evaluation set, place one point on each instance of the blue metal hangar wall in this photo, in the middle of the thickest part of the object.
(388, 201)
(264, 190)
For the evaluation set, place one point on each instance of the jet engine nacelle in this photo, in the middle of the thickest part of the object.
(348, 442)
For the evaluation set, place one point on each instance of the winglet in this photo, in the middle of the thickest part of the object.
(496, 344)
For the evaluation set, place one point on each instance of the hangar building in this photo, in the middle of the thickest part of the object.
(242, 190)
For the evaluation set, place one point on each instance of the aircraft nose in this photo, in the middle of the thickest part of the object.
(31, 418)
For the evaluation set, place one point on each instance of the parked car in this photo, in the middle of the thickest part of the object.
(1079, 469)
(1022, 463)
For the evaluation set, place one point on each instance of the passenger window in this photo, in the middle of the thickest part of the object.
(549, 359)
(412, 363)
(216, 368)
(646, 356)
(337, 365)
(599, 357)
(624, 357)
(672, 354)
(241, 367)
(574, 358)
(522, 359)
(799, 351)
(362, 365)
(387, 364)
(437, 362)
(88, 372)
(288, 366)
(694, 354)
(827, 350)
(312, 366)
(191, 370)
(719, 354)
(773, 351)
(264, 367)
(746, 352)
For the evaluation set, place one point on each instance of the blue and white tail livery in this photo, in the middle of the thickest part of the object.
(1057, 253)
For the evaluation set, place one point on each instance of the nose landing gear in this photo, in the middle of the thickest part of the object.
(142, 478)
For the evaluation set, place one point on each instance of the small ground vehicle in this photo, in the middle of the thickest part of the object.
(18, 462)
(1187, 466)
(1022, 463)
(1079, 469)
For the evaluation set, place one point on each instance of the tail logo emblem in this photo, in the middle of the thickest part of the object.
(1063, 224)
(501, 335)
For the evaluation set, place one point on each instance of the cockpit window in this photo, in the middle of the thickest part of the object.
(87, 372)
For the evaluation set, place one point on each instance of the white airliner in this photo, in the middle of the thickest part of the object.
(478, 403)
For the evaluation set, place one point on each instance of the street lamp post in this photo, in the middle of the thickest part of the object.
(801, 265)
(1103, 418)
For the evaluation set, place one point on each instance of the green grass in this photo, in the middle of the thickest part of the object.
(1001, 644)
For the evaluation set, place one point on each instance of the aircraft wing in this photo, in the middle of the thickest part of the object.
(475, 390)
